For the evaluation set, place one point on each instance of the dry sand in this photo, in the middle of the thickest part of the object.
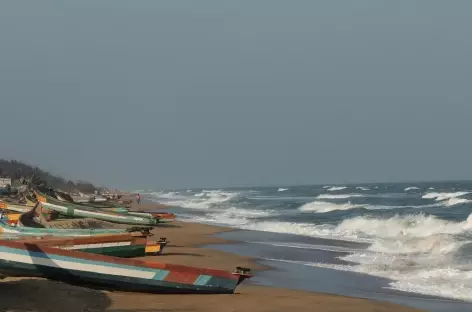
(26, 294)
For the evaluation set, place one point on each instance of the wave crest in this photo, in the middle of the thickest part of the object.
(336, 188)
(338, 196)
(443, 196)
(322, 207)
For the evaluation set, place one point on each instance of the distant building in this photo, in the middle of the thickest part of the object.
(5, 181)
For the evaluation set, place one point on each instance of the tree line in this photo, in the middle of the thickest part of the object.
(16, 170)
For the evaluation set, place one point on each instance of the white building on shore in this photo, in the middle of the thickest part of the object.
(5, 181)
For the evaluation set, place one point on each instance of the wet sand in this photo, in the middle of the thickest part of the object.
(26, 294)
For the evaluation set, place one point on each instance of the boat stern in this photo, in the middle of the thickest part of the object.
(156, 248)
(242, 273)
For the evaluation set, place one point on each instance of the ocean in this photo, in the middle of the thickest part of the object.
(412, 238)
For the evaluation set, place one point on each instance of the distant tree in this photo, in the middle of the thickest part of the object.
(17, 170)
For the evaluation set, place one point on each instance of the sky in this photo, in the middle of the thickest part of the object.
(176, 94)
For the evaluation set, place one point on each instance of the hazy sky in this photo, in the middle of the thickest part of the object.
(162, 94)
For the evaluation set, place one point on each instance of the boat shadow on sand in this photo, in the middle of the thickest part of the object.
(27, 294)
(34, 294)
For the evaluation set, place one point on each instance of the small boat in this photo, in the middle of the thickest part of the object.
(128, 245)
(11, 217)
(76, 267)
(64, 197)
(34, 223)
(71, 210)
(29, 201)
(23, 230)
(14, 207)
(8, 215)
(162, 217)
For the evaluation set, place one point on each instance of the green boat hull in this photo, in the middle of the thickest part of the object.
(73, 210)
(31, 231)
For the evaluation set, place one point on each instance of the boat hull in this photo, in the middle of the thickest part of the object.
(18, 259)
(71, 210)
(127, 245)
(22, 230)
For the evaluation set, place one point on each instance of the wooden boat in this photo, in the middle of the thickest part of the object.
(126, 245)
(14, 207)
(64, 197)
(33, 222)
(8, 215)
(23, 230)
(71, 210)
(33, 260)
(160, 216)
(29, 201)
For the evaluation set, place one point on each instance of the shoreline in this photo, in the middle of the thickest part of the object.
(207, 237)
(186, 241)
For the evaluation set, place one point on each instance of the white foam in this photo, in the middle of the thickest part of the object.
(411, 188)
(442, 281)
(413, 225)
(336, 188)
(456, 201)
(363, 188)
(164, 195)
(304, 229)
(281, 189)
(366, 229)
(443, 196)
(416, 251)
(437, 244)
(321, 207)
(234, 216)
(206, 199)
(338, 196)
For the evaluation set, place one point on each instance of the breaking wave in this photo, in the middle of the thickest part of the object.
(205, 199)
(419, 251)
(443, 196)
(338, 196)
(336, 188)
(415, 251)
(321, 207)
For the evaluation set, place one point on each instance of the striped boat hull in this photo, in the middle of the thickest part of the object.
(23, 259)
(22, 230)
(71, 210)
(119, 245)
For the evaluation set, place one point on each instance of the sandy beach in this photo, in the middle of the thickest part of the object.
(25, 294)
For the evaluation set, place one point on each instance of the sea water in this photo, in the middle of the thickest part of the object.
(417, 237)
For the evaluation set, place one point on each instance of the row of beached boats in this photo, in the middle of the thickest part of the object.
(100, 250)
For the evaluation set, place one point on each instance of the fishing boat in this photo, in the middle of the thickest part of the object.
(76, 267)
(33, 222)
(162, 217)
(127, 245)
(23, 230)
(71, 210)
(14, 207)
(29, 201)
(64, 197)
(8, 215)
